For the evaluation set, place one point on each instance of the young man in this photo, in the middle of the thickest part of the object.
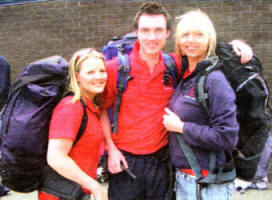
(141, 141)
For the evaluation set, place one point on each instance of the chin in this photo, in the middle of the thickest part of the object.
(98, 91)
(153, 51)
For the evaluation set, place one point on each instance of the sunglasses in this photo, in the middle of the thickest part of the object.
(83, 53)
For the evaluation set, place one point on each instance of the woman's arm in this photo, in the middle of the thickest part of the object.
(58, 158)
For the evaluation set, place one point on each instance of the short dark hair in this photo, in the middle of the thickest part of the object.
(152, 8)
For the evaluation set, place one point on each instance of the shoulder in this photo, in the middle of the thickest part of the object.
(217, 83)
(217, 76)
(67, 106)
(112, 69)
(112, 64)
(177, 60)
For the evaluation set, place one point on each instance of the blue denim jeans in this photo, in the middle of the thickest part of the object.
(186, 189)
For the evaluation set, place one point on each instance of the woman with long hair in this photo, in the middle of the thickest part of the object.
(215, 130)
(79, 162)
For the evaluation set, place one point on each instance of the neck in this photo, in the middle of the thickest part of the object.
(193, 62)
(90, 96)
(192, 66)
(150, 59)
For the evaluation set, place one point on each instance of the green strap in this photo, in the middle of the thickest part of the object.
(202, 94)
(190, 156)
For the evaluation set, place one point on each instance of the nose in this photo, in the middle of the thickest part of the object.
(190, 37)
(98, 75)
(151, 35)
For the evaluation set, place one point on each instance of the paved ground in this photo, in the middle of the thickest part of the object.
(249, 195)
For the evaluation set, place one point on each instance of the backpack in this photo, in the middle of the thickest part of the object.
(252, 101)
(120, 47)
(25, 122)
(4, 80)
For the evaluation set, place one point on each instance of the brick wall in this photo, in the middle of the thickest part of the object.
(36, 30)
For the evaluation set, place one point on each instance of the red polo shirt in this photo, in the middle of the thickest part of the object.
(140, 128)
(65, 123)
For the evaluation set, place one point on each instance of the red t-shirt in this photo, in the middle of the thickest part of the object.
(140, 128)
(65, 123)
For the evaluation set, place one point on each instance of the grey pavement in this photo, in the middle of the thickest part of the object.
(248, 195)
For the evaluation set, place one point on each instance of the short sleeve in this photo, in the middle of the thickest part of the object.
(66, 120)
(110, 91)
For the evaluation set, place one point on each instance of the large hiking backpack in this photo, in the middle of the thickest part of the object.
(251, 98)
(120, 47)
(25, 122)
(4, 80)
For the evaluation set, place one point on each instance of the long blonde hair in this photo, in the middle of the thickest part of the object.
(199, 17)
(74, 68)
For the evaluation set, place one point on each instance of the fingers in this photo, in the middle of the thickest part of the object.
(166, 117)
(246, 58)
(114, 162)
(168, 111)
(236, 50)
(115, 168)
(124, 161)
(243, 50)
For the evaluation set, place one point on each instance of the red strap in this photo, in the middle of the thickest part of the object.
(204, 172)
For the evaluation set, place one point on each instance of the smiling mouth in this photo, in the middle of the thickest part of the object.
(99, 84)
(191, 48)
(153, 45)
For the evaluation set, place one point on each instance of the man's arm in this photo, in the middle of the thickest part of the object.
(243, 50)
(115, 157)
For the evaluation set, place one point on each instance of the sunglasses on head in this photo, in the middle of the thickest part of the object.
(83, 53)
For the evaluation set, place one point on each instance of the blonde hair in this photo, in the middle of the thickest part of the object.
(74, 68)
(196, 16)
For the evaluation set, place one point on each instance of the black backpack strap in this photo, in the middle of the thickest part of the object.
(258, 77)
(21, 82)
(171, 70)
(83, 122)
(27, 79)
(123, 76)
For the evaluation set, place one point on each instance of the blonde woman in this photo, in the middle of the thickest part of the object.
(79, 162)
(215, 131)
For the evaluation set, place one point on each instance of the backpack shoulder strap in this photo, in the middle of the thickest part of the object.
(262, 82)
(190, 156)
(123, 76)
(171, 69)
(216, 175)
(201, 92)
(83, 122)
